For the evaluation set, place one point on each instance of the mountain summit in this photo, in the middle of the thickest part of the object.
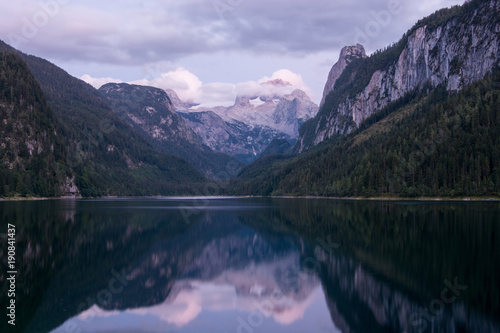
(151, 113)
(245, 129)
(417, 119)
(454, 47)
(347, 55)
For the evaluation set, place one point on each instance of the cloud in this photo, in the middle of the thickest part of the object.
(98, 82)
(221, 45)
(191, 89)
(132, 33)
(262, 87)
(185, 83)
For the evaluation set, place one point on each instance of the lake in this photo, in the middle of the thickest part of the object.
(249, 265)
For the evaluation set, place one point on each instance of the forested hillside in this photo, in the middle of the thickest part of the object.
(441, 144)
(452, 48)
(32, 153)
(106, 155)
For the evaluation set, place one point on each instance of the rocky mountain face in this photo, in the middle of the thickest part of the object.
(245, 129)
(282, 113)
(453, 47)
(237, 139)
(347, 55)
(150, 111)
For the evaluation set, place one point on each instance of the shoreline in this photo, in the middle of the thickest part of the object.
(40, 198)
(433, 199)
(423, 199)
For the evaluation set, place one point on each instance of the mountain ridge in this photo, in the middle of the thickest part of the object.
(106, 155)
(245, 129)
(150, 111)
(456, 46)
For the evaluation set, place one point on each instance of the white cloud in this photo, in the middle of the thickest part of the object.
(190, 88)
(187, 85)
(285, 75)
(98, 82)
(259, 87)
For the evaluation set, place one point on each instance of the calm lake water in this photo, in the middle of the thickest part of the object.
(253, 265)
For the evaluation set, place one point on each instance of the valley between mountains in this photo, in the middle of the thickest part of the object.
(419, 118)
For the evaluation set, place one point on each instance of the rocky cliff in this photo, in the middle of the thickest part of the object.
(234, 138)
(282, 113)
(347, 55)
(245, 129)
(150, 111)
(453, 47)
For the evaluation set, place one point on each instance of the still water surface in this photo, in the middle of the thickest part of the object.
(254, 265)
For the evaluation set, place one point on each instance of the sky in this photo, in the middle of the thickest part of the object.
(208, 51)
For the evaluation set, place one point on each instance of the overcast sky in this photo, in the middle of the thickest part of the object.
(207, 50)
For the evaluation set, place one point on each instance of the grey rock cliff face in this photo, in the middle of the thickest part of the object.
(455, 53)
(284, 114)
(347, 55)
(235, 139)
(245, 129)
(150, 111)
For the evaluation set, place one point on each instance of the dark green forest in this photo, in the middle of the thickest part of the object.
(32, 153)
(106, 156)
(440, 144)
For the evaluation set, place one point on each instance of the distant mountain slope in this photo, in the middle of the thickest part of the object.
(439, 144)
(150, 111)
(454, 47)
(276, 147)
(245, 129)
(107, 156)
(242, 141)
(32, 153)
(282, 113)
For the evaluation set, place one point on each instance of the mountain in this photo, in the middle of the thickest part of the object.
(242, 141)
(245, 129)
(32, 152)
(282, 113)
(453, 47)
(150, 111)
(106, 155)
(276, 147)
(441, 144)
(347, 55)
(440, 137)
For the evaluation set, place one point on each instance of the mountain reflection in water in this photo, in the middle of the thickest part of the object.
(256, 265)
